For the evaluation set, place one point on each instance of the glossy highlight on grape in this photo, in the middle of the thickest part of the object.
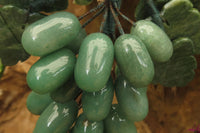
(50, 33)
(94, 62)
(52, 71)
(134, 60)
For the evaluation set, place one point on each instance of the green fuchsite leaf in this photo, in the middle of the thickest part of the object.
(182, 21)
(57, 118)
(179, 70)
(17, 3)
(82, 2)
(50, 33)
(48, 5)
(51, 72)
(37, 103)
(74, 45)
(66, 92)
(38, 5)
(134, 60)
(83, 125)
(11, 29)
(94, 63)
(117, 123)
(1, 68)
(96, 105)
(155, 39)
(133, 102)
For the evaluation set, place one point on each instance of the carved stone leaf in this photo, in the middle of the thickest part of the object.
(182, 21)
(179, 70)
(12, 24)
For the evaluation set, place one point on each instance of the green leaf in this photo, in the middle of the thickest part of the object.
(179, 70)
(182, 21)
(38, 5)
(1, 68)
(18, 3)
(48, 5)
(12, 24)
(140, 11)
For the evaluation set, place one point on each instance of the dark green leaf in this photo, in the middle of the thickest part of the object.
(161, 3)
(1, 68)
(179, 70)
(48, 5)
(147, 8)
(182, 21)
(38, 5)
(141, 12)
(12, 24)
(18, 3)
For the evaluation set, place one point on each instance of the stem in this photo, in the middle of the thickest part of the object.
(123, 16)
(104, 20)
(93, 17)
(155, 14)
(116, 20)
(91, 11)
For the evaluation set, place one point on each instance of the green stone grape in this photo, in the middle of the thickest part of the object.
(50, 33)
(51, 72)
(57, 118)
(155, 39)
(94, 62)
(117, 123)
(37, 103)
(83, 125)
(133, 101)
(66, 92)
(134, 60)
(97, 105)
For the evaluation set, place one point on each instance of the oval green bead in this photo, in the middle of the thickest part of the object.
(75, 44)
(97, 105)
(65, 93)
(50, 33)
(133, 102)
(155, 39)
(94, 63)
(83, 125)
(51, 71)
(37, 103)
(116, 123)
(134, 60)
(57, 118)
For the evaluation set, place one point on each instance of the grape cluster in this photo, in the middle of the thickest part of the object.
(59, 76)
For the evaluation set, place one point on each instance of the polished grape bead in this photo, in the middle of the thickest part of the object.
(50, 33)
(117, 123)
(37, 103)
(83, 125)
(134, 60)
(94, 63)
(133, 101)
(52, 71)
(75, 44)
(155, 39)
(66, 92)
(96, 105)
(57, 118)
